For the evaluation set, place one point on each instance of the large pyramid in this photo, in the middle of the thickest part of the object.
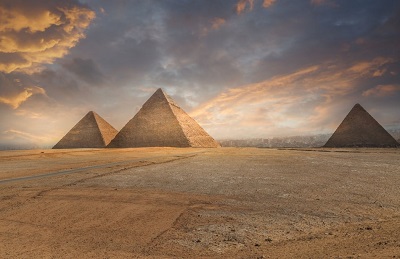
(360, 129)
(92, 131)
(162, 123)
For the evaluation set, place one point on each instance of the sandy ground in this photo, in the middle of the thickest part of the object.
(200, 203)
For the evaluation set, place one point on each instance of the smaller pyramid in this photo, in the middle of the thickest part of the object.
(360, 129)
(162, 123)
(92, 131)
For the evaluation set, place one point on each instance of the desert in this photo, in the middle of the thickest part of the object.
(199, 129)
(200, 203)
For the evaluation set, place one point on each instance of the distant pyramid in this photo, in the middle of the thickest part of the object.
(162, 123)
(92, 131)
(360, 129)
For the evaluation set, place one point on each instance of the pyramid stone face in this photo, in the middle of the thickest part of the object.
(91, 131)
(360, 129)
(162, 123)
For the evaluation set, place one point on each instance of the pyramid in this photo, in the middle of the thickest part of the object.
(92, 131)
(162, 123)
(360, 129)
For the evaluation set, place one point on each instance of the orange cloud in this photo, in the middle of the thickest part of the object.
(26, 139)
(16, 100)
(243, 4)
(366, 67)
(37, 33)
(382, 90)
(216, 23)
(277, 106)
(29, 114)
(25, 135)
(379, 73)
(17, 20)
(268, 3)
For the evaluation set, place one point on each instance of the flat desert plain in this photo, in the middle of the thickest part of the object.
(200, 203)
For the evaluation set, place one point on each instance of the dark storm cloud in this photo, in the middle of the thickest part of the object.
(343, 33)
(86, 70)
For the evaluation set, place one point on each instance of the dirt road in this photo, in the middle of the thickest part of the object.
(203, 203)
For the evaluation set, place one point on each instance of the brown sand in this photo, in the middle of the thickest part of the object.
(207, 203)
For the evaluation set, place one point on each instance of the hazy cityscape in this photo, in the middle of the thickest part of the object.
(291, 141)
(272, 142)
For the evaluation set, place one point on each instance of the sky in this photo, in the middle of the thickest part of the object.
(241, 68)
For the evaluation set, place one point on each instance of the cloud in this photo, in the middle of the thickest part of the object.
(243, 4)
(268, 3)
(16, 100)
(366, 67)
(29, 114)
(310, 69)
(12, 133)
(85, 69)
(216, 23)
(382, 90)
(13, 138)
(379, 73)
(35, 33)
(286, 104)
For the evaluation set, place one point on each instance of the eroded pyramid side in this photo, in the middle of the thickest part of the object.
(196, 135)
(158, 125)
(108, 132)
(153, 126)
(91, 131)
(360, 129)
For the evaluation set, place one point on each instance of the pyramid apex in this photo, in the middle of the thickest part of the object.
(92, 113)
(358, 107)
(160, 91)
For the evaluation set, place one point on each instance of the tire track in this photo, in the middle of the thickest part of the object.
(81, 169)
